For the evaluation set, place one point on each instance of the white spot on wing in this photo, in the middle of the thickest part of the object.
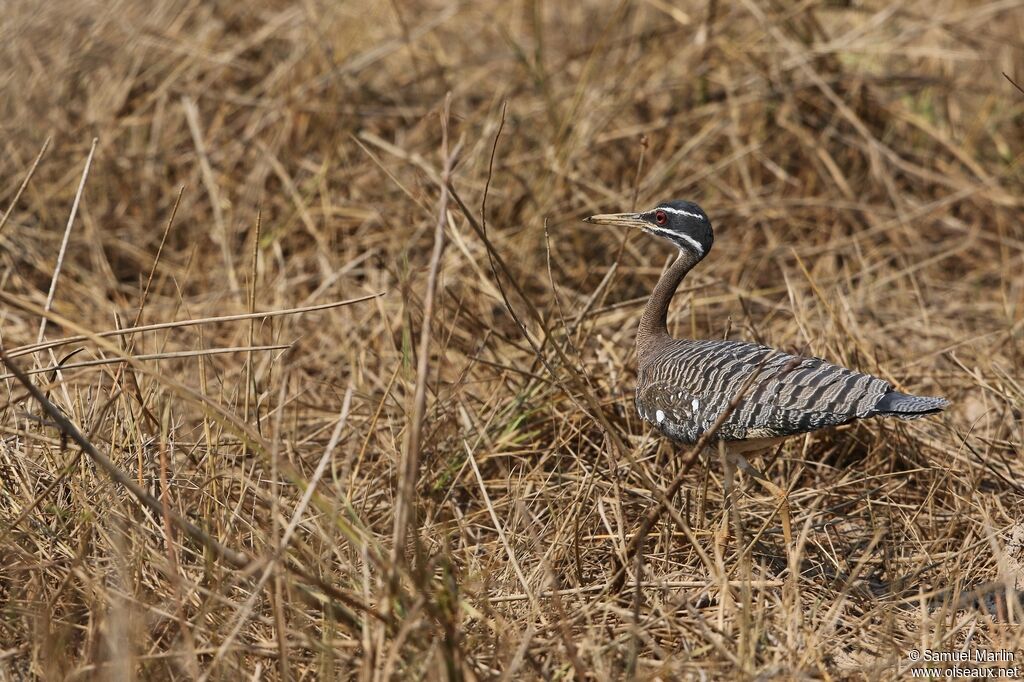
(695, 404)
(660, 416)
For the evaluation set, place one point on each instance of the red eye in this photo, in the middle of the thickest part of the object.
(660, 217)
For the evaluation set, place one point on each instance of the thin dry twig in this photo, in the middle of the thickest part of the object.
(169, 355)
(405, 500)
(156, 326)
(67, 237)
(24, 183)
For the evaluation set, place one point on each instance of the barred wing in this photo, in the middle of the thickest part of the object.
(684, 386)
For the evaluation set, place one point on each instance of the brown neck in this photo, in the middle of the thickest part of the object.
(653, 324)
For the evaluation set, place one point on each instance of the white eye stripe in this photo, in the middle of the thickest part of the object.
(693, 242)
(679, 235)
(679, 211)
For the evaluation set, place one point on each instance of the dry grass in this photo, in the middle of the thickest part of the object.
(861, 165)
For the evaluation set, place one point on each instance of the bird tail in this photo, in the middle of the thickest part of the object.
(904, 406)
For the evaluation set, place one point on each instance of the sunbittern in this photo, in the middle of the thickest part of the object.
(684, 386)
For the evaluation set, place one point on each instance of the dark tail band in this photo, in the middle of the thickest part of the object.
(896, 404)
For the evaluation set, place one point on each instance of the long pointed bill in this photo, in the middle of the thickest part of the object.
(618, 219)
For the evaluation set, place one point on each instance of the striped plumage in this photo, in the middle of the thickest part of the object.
(683, 386)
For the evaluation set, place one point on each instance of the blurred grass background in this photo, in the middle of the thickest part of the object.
(860, 162)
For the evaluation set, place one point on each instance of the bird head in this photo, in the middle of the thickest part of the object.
(683, 223)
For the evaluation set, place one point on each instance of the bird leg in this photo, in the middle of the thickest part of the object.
(729, 483)
(730, 503)
(781, 495)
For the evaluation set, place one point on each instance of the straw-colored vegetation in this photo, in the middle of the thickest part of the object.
(355, 490)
